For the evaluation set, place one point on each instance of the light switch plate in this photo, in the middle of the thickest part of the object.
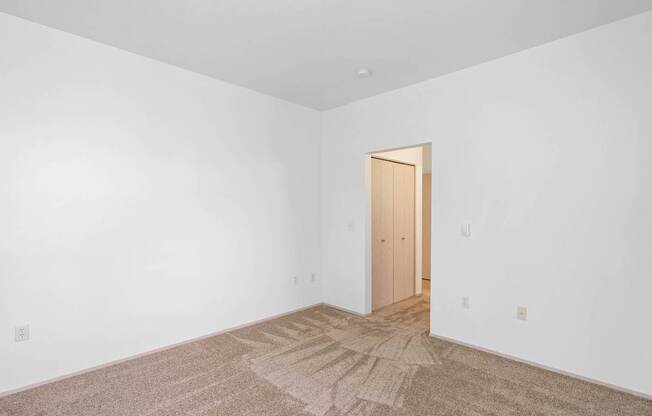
(466, 229)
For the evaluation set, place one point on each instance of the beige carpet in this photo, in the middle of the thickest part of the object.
(325, 362)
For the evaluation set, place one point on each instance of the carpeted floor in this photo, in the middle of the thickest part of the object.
(325, 362)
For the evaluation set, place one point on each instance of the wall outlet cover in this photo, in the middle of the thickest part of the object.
(21, 333)
(466, 303)
(521, 313)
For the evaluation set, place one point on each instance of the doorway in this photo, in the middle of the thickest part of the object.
(396, 221)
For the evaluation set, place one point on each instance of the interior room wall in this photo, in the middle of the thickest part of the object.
(546, 152)
(426, 212)
(141, 204)
(413, 156)
(426, 225)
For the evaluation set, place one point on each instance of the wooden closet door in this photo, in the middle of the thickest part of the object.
(382, 234)
(403, 231)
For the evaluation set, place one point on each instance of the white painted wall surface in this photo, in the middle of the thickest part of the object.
(140, 204)
(414, 156)
(548, 153)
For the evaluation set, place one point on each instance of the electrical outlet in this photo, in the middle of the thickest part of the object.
(466, 304)
(313, 277)
(21, 333)
(521, 313)
(295, 279)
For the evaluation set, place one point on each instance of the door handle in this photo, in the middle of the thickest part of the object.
(382, 241)
(402, 238)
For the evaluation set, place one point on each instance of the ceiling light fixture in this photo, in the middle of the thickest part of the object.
(364, 73)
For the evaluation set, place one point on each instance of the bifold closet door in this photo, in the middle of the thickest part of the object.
(403, 231)
(382, 233)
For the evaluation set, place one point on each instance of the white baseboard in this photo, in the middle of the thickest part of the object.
(544, 367)
(339, 308)
(154, 351)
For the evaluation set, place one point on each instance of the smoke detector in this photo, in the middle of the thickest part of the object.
(364, 73)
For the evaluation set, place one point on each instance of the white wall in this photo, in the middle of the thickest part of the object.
(414, 156)
(548, 153)
(140, 204)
